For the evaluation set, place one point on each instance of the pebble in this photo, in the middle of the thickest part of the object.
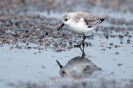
(128, 41)
(111, 44)
(120, 36)
(117, 53)
(119, 64)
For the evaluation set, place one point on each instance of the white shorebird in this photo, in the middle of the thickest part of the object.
(80, 22)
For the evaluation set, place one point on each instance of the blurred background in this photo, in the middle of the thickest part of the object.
(67, 5)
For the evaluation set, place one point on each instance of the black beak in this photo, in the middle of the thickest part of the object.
(59, 64)
(61, 26)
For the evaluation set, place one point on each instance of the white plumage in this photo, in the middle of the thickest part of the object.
(80, 22)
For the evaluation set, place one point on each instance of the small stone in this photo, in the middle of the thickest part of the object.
(29, 47)
(116, 46)
(43, 67)
(119, 64)
(27, 43)
(111, 44)
(103, 49)
(117, 53)
(46, 33)
(106, 37)
(120, 36)
(113, 36)
(90, 44)
(129, 36)
(128, 41)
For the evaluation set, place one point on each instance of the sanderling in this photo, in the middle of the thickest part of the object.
(80, 22)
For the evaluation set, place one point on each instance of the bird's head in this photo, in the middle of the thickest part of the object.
(65, 20)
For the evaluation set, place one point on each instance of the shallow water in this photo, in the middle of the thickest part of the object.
(34, 65)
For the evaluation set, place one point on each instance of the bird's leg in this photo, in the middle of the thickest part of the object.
(84, 37)
(83, 54)
(83, 47)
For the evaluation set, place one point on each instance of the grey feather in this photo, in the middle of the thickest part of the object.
(90, 20)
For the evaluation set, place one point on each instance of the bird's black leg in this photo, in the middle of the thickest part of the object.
(83, 54)
(84, 37)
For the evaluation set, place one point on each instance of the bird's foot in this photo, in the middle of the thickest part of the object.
(83, 44)
(77, 45)
(83, 54)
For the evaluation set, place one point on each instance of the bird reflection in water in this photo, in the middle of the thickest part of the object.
(78, 67)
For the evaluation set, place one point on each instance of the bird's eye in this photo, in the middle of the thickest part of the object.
(66, 19)
(63, 72)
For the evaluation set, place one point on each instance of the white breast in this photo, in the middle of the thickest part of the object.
(80, 27)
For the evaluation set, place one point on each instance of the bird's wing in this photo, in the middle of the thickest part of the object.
(89, 19)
